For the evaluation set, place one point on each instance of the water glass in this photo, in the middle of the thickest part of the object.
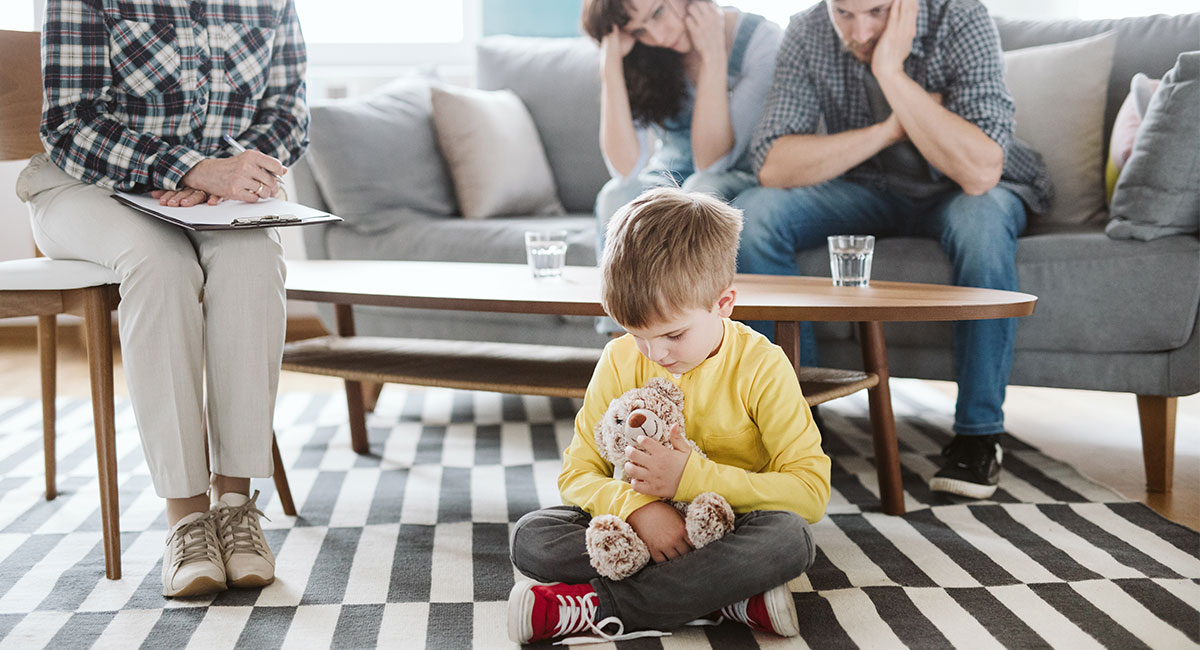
(850, 259)
(546, 252)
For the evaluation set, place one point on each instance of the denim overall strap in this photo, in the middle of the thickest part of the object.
(741, 40)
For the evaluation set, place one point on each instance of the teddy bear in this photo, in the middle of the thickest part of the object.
(613, 548)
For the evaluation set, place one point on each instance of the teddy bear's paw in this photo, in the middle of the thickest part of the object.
(709, 518)
(615, 551)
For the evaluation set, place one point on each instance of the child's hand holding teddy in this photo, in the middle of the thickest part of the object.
(655, 469)
(662, 528)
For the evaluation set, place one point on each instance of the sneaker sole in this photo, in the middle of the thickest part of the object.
(782, 609)
(251, 581)
(200, 586)
(520, 628)
(961, 488)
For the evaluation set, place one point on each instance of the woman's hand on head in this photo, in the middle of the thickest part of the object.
(705, 22)
(246, 177)
(616, 44)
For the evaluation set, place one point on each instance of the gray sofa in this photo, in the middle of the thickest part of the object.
(1112, 315)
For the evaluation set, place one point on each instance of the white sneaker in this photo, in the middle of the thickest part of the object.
(192, 562)
(248, 559)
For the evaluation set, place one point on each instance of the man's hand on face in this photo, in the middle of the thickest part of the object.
(895, 43)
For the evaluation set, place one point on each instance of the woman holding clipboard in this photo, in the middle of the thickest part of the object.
(138, 95)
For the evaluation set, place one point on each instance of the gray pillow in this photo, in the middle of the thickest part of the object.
(1158, 192)
(558, 79)
(377, 153)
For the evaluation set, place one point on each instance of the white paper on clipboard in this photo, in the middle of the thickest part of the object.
(228, 214)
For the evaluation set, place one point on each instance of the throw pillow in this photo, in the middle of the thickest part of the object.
(348, 138)
(1158, 193)
(1129, 118)
(1060, 91)
(495, 155)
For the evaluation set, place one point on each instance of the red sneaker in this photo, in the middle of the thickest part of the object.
(539, 611)
(772, 611)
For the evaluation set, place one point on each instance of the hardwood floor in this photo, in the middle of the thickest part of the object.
(1097, 433)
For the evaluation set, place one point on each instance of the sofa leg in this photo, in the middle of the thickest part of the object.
(1157, 415)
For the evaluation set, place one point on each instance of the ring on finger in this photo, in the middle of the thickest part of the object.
(260, 189)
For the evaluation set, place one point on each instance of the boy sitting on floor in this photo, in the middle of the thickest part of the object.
(668, 269)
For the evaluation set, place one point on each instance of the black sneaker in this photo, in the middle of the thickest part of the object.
(972, 467)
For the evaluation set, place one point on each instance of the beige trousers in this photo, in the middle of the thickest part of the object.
(194, 306)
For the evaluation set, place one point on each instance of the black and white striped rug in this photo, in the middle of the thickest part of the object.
(408, 547)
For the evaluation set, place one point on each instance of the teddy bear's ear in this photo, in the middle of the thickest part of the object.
(609, 429)
(667, 390)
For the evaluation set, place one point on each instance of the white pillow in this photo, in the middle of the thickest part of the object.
(1060, 91)
(494, 153)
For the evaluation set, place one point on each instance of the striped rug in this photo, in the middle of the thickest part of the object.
(408, 548)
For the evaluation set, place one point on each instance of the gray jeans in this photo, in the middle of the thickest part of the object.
(766, 549)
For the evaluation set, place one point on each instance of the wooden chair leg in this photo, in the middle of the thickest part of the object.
(47, 329)
(1157, 416)
(97, 321)
(281, 482)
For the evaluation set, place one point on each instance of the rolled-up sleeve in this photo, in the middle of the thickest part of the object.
(975, 76)
(793, 104)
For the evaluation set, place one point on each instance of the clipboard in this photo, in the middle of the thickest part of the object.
(228, 215)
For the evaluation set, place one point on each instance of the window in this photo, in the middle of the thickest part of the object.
(369, 21)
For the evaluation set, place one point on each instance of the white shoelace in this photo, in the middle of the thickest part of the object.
(576, 614)
(241, 533)
(736, 612)
(195, 541)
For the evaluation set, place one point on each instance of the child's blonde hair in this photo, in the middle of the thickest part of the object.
(665, 252)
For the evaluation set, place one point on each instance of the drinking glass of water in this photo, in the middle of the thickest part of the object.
(546, 252)
(850, 259)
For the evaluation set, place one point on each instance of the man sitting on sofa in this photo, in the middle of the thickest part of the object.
(918, 141)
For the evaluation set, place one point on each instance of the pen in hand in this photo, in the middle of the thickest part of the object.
(237, 147)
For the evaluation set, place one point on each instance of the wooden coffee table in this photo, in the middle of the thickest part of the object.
(565, 371)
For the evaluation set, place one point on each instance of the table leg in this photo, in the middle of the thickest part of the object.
(354, 389)
(883, 422)
(787, 336)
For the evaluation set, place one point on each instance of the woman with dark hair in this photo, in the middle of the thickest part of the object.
(690, 74)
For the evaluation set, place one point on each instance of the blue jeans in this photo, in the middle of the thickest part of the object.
(978, 234)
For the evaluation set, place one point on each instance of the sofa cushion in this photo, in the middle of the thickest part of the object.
(1129, 120)
(1059, 94)
(494, 153)
(377, 153)
(1095, 294)
(1147, 44)
(558, 79)
(1158, 193)
(427, 238)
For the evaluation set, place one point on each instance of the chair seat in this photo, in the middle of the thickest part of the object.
(43, 273)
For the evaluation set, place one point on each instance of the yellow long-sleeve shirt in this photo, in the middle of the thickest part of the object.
(742, 406)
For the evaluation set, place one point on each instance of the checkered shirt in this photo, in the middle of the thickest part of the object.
(138, 91)
(956, 52)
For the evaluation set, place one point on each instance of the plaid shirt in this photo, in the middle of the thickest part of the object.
(956, 52)
(138, 91)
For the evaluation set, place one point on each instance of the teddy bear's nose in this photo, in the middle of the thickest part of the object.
(637, 420)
